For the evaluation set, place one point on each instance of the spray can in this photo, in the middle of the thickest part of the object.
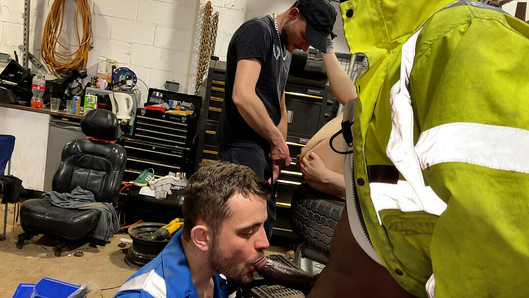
(76, 109)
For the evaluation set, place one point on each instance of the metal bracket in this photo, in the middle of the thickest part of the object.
(25, 47)
(32, 58)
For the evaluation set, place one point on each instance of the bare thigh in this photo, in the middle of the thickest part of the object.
(351, 272)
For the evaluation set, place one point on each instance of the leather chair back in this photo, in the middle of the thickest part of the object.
(95, 164)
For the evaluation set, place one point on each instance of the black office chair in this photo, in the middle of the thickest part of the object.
(96, 164)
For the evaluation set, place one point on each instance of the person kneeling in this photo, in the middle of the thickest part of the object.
(224, 212)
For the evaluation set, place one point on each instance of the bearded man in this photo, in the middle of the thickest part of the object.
(224, 212)
(253, 125)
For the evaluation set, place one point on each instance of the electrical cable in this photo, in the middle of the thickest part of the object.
(144, 84)
(61, 63)
(110, 288)
(128, 226)
(347, 135)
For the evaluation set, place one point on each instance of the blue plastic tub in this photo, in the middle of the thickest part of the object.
(24, 290)
(45, 288)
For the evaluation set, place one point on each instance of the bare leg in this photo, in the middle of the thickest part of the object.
(351, 272)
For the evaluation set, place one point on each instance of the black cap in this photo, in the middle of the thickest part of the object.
(320, 16)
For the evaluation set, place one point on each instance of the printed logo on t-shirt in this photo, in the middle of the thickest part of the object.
(277, 52)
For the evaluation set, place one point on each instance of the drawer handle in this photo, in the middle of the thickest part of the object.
(291, 173)
(284, 205)
(303, 95)
(286, 182)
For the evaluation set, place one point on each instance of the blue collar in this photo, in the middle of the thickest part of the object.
(177, 275)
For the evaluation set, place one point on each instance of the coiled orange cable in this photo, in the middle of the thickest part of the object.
(60, 63)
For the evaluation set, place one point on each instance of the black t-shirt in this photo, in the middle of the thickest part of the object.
(257, 38)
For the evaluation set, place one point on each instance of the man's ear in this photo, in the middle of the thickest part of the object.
(200, 236)
(293, 13)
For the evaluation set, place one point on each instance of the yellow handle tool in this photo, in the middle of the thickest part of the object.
(169, 229)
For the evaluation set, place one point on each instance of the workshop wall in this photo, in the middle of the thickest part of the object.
(155, 38)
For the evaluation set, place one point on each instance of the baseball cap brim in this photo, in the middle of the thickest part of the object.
(316, 39)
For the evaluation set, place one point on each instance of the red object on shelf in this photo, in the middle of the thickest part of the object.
(155, 108)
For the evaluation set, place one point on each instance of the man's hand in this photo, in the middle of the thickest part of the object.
(275, 174)
(280, 156)
(312, 167)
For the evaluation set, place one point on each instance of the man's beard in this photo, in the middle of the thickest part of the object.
(231, 267)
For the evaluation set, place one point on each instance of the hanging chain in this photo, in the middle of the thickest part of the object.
(203, 56)
(213, 33)
(207, 43)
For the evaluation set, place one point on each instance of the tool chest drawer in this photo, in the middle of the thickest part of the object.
(163, 141)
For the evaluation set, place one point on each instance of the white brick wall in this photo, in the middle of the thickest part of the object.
(152, 37)
(125, 9)
(12, 37)
(11, 11)
(132, 31)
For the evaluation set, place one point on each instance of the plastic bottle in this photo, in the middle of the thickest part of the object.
(38, 87)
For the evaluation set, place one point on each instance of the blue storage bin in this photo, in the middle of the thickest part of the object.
(24, 290)
(46, 288)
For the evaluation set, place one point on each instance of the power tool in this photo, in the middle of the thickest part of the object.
(168, 230)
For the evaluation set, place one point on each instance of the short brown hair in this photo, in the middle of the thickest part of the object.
(209, 189)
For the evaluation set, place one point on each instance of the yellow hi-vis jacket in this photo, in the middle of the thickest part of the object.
(452, 121)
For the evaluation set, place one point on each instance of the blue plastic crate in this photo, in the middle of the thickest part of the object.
(24, 290)
(46, 288)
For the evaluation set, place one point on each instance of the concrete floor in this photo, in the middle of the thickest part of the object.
(103, 265)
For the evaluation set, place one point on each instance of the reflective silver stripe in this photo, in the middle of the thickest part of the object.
(473, 3)
(401, 151)
(492, 146)
(149, 282)
(404, 197)
(430, 287)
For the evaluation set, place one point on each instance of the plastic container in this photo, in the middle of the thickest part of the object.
(38, 86)
(46, 288)
(55, 103)
(90, 102)
(24, 290)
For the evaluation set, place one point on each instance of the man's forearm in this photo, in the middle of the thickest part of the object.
(250, 105)
(341, 85)
(330, 182)
(254, 113)
(283, 125)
